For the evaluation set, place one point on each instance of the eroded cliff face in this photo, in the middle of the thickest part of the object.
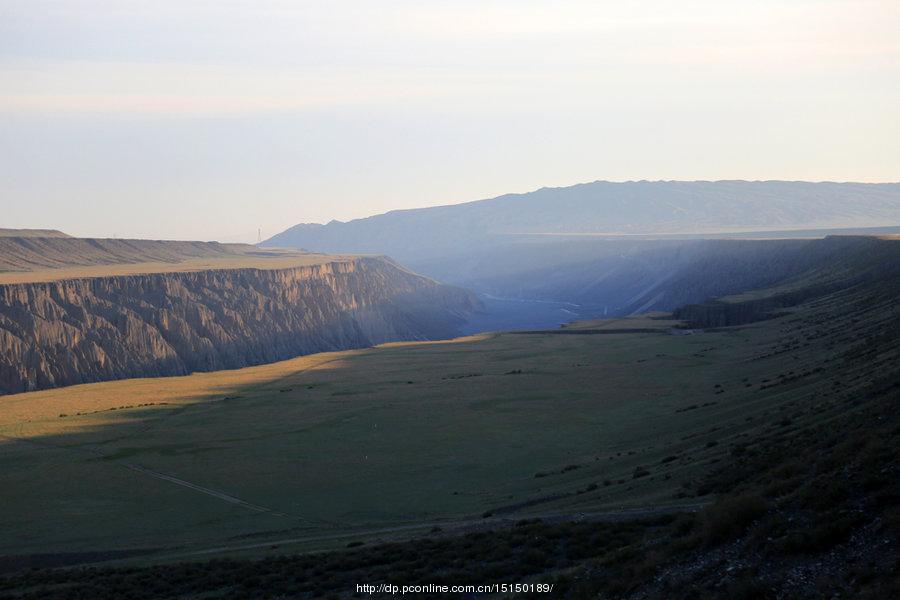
(84, 330)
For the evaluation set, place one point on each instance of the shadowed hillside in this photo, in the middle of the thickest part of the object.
(664, 278)
(551, 283)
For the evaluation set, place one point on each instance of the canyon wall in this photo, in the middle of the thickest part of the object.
(84, 330)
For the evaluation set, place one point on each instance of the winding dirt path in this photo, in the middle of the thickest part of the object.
(454, 527)
(164, 477)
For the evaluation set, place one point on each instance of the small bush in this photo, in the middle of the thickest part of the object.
(747, 588)
(640, 472)
(730, 516)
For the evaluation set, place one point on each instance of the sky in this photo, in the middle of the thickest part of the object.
(217, 119)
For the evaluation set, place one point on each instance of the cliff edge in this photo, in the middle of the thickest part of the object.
(71, 331)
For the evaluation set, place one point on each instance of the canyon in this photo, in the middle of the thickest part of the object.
(78, 330)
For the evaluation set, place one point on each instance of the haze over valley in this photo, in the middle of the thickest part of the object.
(614, 249)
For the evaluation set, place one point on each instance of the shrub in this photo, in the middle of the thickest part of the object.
(747, 588)
(730, 516)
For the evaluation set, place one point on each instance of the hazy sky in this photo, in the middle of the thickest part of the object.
(210, 119)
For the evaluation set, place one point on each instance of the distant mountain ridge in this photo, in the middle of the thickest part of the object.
(603, 207)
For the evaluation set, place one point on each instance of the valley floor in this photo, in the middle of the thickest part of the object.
(650, 461)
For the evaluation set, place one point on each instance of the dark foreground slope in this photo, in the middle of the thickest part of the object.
(58, 333)
(770, 451)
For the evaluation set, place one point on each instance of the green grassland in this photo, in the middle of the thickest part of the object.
(401, 437)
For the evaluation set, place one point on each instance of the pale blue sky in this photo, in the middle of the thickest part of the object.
(209, 119)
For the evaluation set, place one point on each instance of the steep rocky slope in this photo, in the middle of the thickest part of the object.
(93, 329)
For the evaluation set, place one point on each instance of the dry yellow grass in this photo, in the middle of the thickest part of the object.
(93, 397)
(393, 436)
(651, 320)
(19, 409)
(282, 261)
